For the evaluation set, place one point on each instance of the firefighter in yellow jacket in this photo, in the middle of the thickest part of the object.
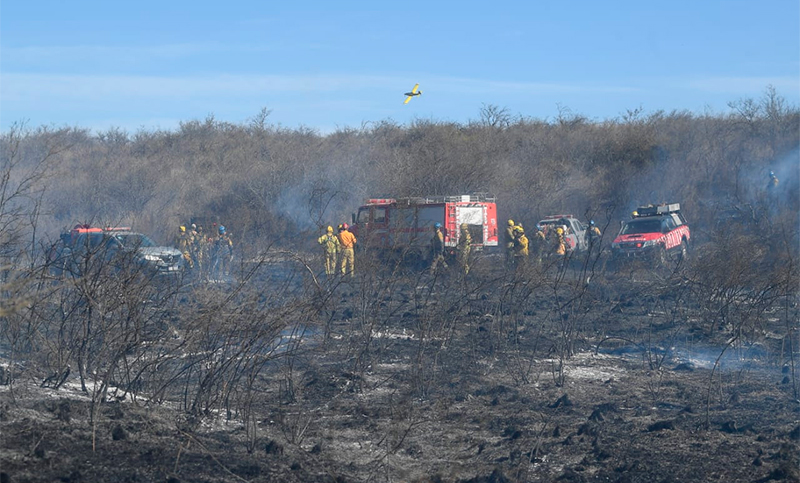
(437, 247)
(464, 247)
(560, 242)
(183, 242)
(330, 245)
(348, 242)
(520, 248)
(508, 239)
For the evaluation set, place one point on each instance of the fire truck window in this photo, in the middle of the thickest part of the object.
(379, 215)
(363, 215)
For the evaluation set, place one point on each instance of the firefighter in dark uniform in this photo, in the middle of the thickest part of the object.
(592, 237)
(464, 247)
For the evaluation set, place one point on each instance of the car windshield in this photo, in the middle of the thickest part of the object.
(641, 226)
(134, 240)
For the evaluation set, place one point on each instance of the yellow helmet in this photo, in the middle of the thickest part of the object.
(560, 230)
(182, 228)
(518, 229)
(330, 229)
(510, 222)
(635, 213)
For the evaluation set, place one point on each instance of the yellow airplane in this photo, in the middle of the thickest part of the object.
(414, 92)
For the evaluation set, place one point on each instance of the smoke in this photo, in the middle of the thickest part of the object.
(732, 359)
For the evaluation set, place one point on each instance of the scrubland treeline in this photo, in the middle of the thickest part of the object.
(266, 182)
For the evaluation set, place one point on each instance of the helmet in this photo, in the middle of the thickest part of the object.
(339, 227)
(194, 227)
(437, 225)
(464, 226)
(591, 222)
(518, 229)
(221, 230)
(345, 226)
(772, 174)
(560, 230)
(634, 213)
(330, 229)
(510, 222)
(182, 228)
(519, 225)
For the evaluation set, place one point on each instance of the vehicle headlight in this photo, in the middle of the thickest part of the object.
(615, 245)
(650, 243)
(152, 258)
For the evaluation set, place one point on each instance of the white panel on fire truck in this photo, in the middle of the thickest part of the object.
(401, 220)
(471, 215)
(428, 215)
(465, 198)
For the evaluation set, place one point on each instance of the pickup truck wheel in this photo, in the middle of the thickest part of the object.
(663, 258)
(684, 251)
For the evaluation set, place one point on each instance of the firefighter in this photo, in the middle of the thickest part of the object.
(539, 242)
(509, 241)
(520, 248)
(194, 243)
(773, 181)
(183, 242)
(330, 244)
(560, 242)
(464, 247)
(592, 237)
(348, 242)
(222, 253)
(201, 248)
(437, 247)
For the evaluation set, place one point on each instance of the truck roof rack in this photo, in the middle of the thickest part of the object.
(558, 217)
(424, 200)
(657, 210)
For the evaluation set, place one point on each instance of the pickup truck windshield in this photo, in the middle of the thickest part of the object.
(641, 226)
(134, 240)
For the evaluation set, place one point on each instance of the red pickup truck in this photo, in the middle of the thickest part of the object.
(655, 232)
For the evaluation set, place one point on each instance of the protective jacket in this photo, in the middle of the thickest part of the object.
(347, 239)
(509, 237)
(330, 243)
(437, 243)
(521, 246)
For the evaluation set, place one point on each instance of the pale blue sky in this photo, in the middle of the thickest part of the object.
(333, 64)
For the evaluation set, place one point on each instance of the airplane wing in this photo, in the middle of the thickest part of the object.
(414, 90)
(407, 99)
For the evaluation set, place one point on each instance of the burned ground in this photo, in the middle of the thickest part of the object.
(589, 371)
(408, 377)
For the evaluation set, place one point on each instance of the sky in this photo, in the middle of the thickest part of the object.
(331, 65)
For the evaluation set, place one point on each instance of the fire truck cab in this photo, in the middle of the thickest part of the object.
(405, 225)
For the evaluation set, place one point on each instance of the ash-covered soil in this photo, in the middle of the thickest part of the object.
(492, 380)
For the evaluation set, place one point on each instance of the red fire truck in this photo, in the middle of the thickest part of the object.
(405, 225)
